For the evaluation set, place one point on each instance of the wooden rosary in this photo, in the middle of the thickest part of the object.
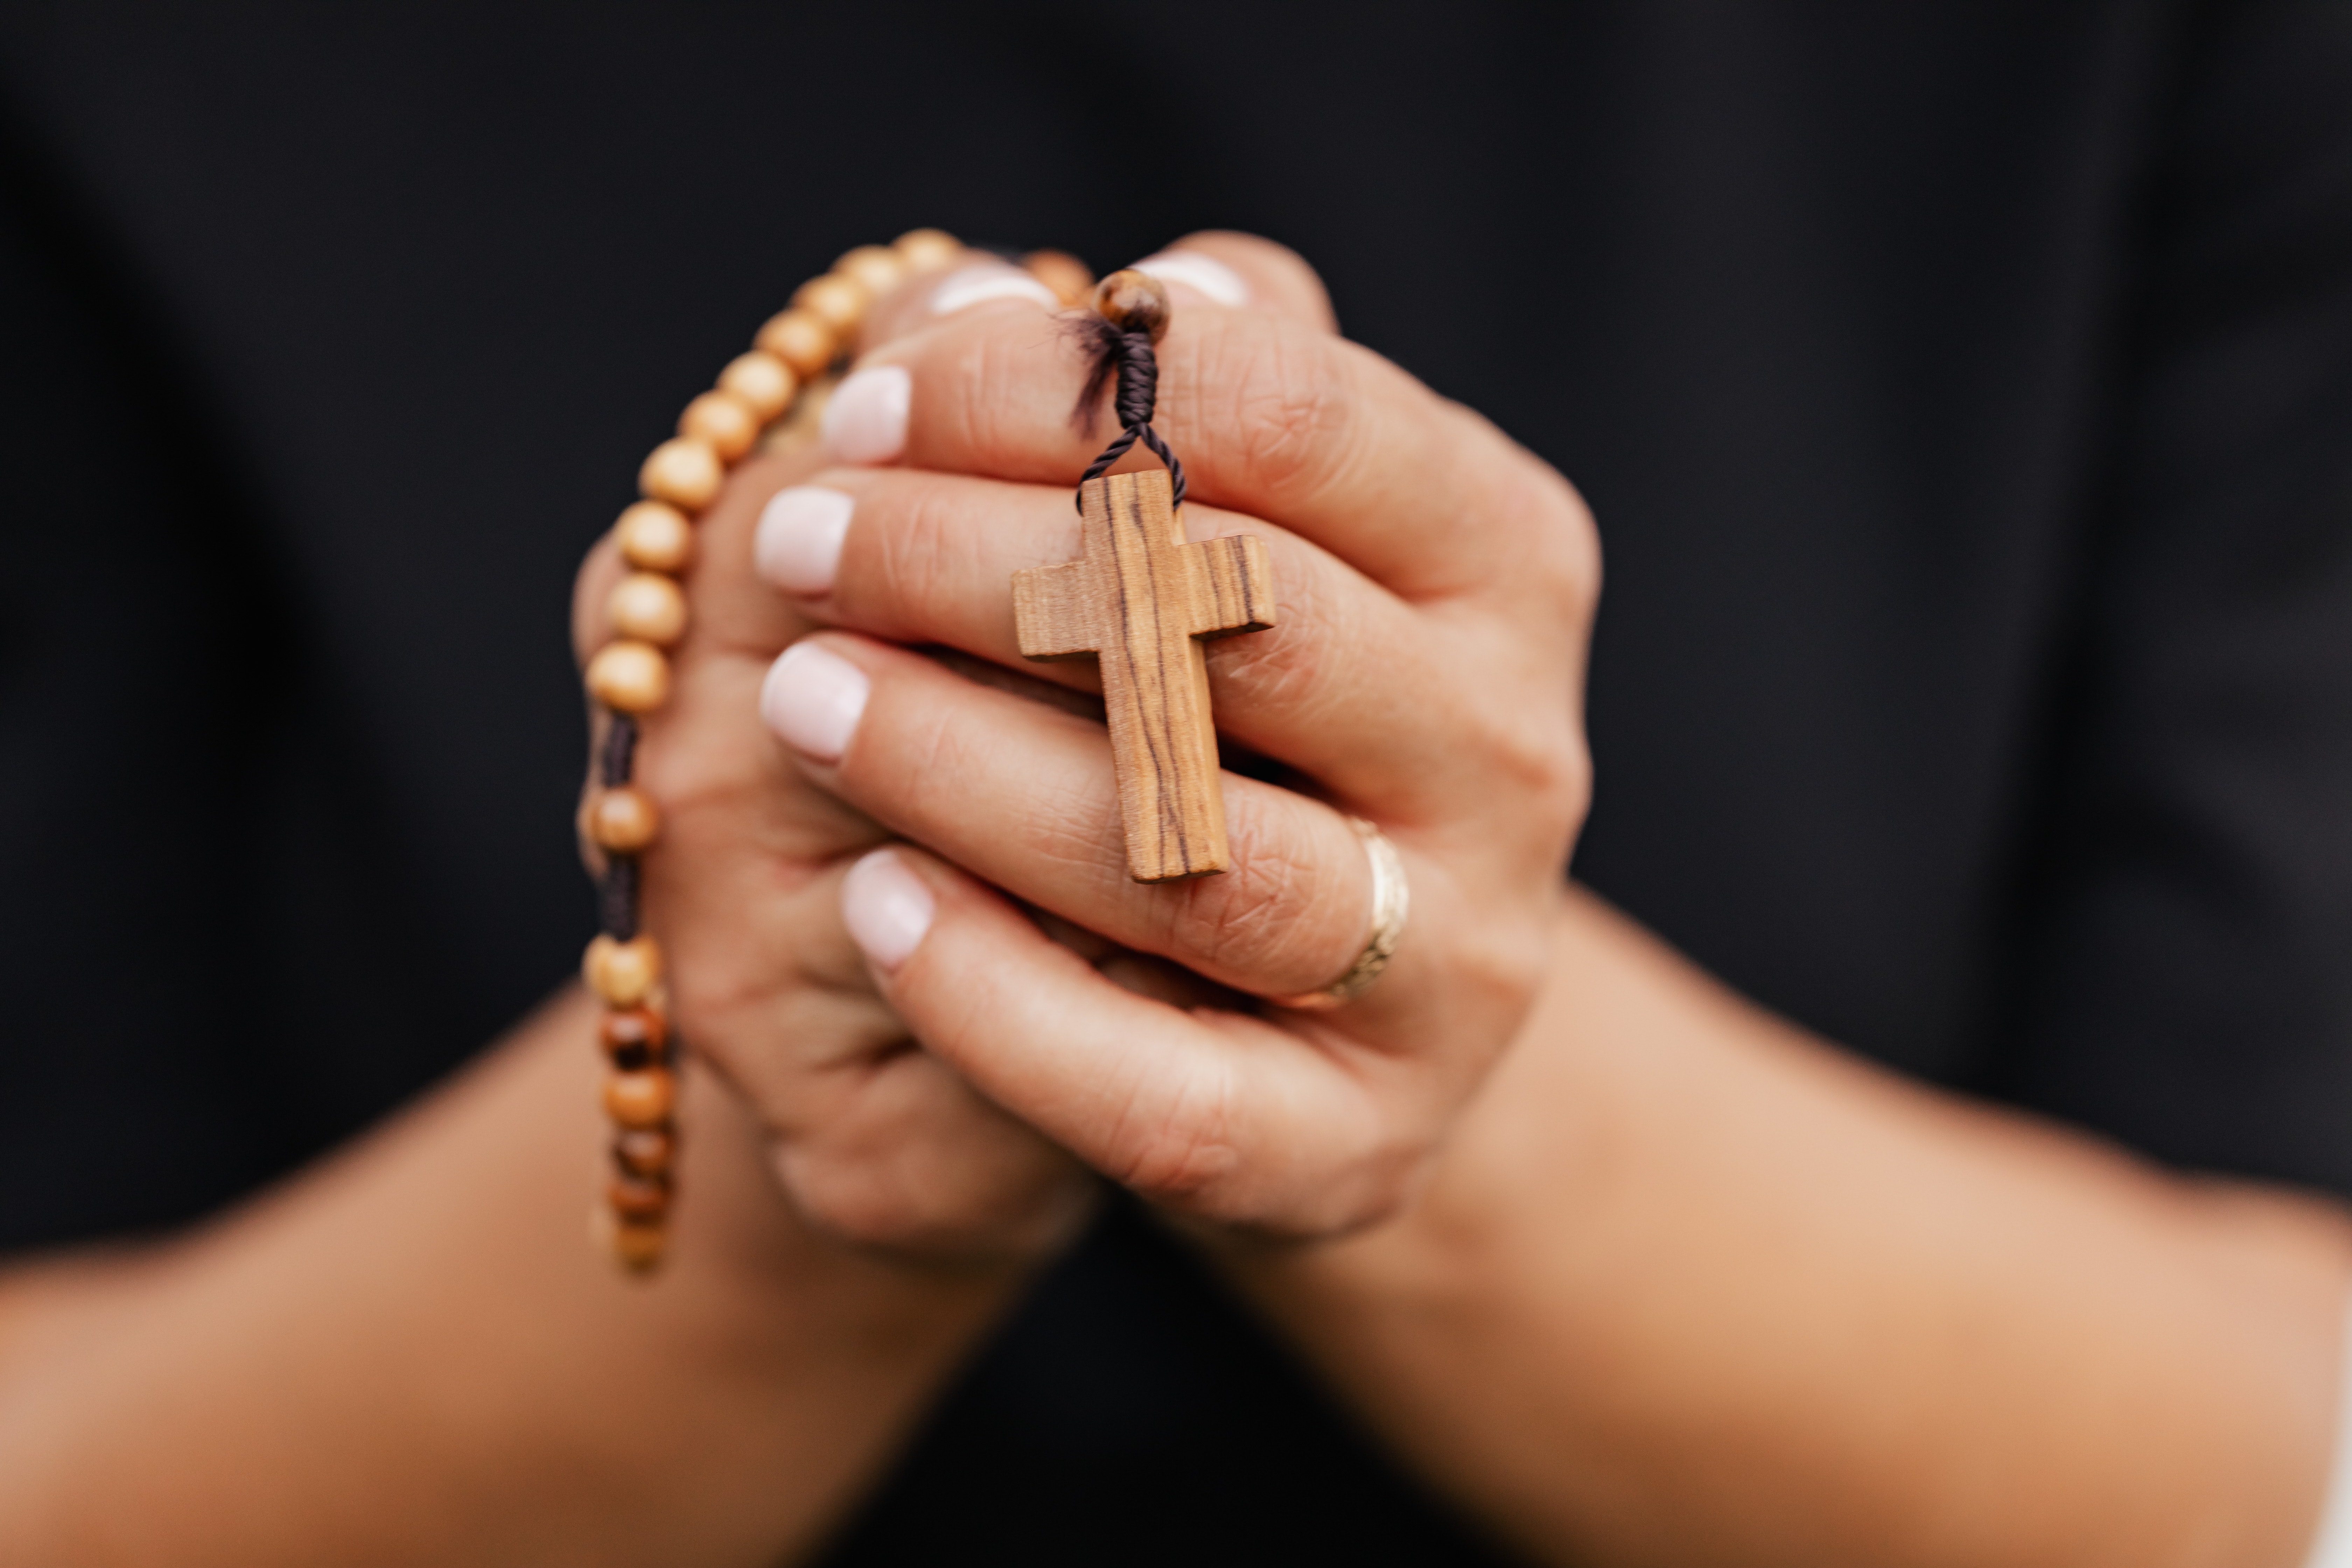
(629, 677)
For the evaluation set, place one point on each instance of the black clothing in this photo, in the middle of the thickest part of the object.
(1964, 393)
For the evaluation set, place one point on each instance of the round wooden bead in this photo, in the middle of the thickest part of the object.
(1134, 302)
(721, 421)
(629, 677)
(624, 1028)
(638, 1247)
(929, 249)
(647, 606)
(655, 537)
(624, 820)
(644, 1151)
(684, 472)
(637, 1201)
(1070, 279)
(877, 269)
(622, 973)
(837, 300)
(800, 339)
(641, 1099)
(765, 384)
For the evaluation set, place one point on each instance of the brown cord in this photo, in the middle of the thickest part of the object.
(1130, 353)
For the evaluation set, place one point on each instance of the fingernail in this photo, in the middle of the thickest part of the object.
(989, 280)
(886, 907)
(865, 421)
(813, 699)
(1194, 270)
(798, 546)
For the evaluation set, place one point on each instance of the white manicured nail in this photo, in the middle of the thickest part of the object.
(813, 699)
(865, 421)
(798, 546)
(989, 280)
(886, 907)
(1194, 270)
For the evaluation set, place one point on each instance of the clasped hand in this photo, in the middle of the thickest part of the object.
(898, 913)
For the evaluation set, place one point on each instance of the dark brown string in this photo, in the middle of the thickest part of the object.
(617, 890)
(1129, 354)
(620, 750)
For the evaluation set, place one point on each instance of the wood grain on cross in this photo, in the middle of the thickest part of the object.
(1140, 599)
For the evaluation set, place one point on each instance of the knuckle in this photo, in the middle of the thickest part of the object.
(1274, 407)
(1545, 760)
(1270, 914)
(1181, 1153)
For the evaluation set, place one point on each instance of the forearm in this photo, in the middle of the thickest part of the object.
(414, 1355)
(1692, 1287)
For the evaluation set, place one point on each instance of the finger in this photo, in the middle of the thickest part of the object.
(1215, 1112)
(914, 1160)
(1350, 684)
(1219, 266)
(1272, 417)
(1025, 796)
(979, 281)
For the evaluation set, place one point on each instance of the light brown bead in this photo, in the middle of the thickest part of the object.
(1134, 302)
(929, 249)
(655, 537)
(641, 1099)
(629, 677)
(765, 384)
(877, 269)
(836, 300)
(644, 1151)
(647, 606)
(622, 973)
(624, 820)
(638, 1247)
(637, 1201)
(800, 339)
(684, 472)
(721, 421)
(1072, 281)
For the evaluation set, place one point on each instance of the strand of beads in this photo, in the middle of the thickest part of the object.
(629, 677)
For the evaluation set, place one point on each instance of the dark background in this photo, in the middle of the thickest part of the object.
(1965, 392)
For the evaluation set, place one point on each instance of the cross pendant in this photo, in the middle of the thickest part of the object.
(1140, 599)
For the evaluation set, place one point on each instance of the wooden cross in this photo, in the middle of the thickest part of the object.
(1140, 600)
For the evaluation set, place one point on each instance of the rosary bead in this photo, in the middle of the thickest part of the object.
(877, 268)
(624, 819)
(837, 300)
(721, 421)
(644, 1151)
(684, 472)
(641, 1099)
(647, 606)
(634, 1028)
(638, 1247)
(928, 249)
(1065, 274)
(622, 973)
(638, 1201)
(655, 537)
(1134, 302)
(764, 382)
(629, 677)
(800, 339)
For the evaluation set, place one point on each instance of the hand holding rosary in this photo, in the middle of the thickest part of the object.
(1025, 805)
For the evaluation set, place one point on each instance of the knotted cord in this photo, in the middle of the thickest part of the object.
(1126, 348)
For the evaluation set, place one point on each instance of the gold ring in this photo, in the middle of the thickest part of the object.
(1391, 897)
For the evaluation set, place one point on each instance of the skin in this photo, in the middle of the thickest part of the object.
(1636, 1272)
